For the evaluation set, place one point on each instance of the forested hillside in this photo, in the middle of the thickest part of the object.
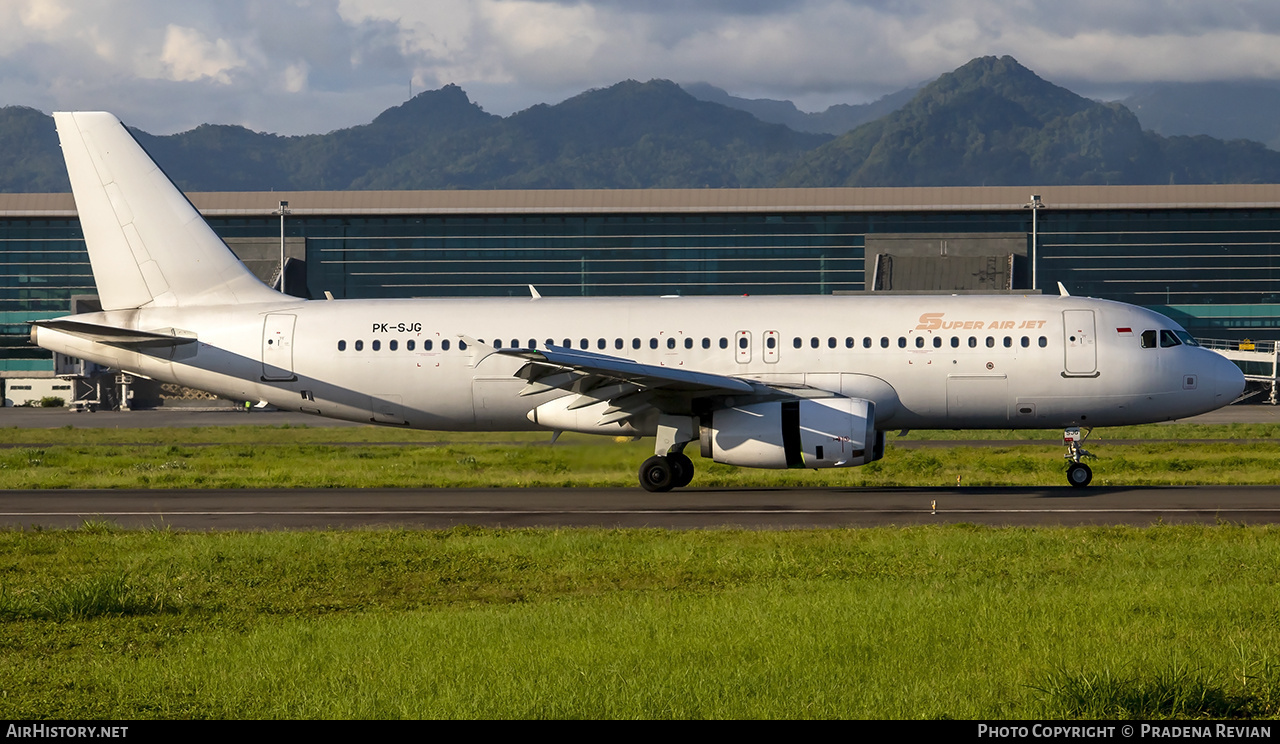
(991, 122)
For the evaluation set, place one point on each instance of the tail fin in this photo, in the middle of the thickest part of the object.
(147, 244)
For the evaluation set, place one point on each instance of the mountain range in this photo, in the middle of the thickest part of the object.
(990, 122)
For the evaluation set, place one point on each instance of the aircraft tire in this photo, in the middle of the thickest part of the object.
(657, 475)
(683, 468)
(1079, 475)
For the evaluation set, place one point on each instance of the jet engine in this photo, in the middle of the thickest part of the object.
(817, 433)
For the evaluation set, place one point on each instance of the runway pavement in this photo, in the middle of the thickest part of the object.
(632, 507)
(628, 507)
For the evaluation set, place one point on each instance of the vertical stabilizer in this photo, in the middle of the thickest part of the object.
(147, 244)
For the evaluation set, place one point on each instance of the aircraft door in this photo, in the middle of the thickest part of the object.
(1081, 351)
(772, 342)
(742, 346)
(277, 347)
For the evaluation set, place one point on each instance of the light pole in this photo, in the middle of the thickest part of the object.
(1033, 205)
(284, 209)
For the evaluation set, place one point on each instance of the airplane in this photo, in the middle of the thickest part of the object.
(755, 381)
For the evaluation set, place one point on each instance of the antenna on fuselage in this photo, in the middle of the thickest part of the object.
(1062, 291)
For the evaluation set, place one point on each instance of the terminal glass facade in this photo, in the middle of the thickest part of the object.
(1215, 270)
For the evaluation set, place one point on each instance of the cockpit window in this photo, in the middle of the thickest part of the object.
(1167, 339)
(1148, 339)
(1187, 338)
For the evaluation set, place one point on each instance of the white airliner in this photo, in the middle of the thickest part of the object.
(767, 382)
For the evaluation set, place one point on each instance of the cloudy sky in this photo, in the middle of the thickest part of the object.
(303, 66)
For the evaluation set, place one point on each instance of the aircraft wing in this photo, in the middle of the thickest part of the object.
(629, 386)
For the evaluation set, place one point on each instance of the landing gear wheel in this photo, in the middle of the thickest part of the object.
(1079, 475)
(683, 468)
(657, 475)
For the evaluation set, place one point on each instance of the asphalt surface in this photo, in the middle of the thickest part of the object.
(690, 508)
(631, 507)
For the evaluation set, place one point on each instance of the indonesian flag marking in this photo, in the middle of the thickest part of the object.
(1125, 331)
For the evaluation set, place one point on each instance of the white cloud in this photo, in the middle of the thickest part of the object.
(188, 56)
(297, 66)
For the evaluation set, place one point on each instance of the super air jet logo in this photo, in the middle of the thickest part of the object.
(937, 322)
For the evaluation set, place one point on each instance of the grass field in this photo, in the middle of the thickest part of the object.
(937, 622)
(925, 622)
(369, 457)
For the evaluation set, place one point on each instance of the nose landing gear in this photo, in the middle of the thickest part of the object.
(1079, 475)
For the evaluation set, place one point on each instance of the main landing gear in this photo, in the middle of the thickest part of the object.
(669, 467)
(1079, 475)
(659, 473)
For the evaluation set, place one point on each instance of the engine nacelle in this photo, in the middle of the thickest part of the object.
(819, 433)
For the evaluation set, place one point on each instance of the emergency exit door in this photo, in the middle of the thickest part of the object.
(277, 347)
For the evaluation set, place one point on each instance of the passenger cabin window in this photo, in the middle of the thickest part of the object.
(796, 342)
(392, 344)
(359, 345)
(342, 346)
(724, 343)
(426, 345)
(409, 344)
(1148, 339)
(444, 344)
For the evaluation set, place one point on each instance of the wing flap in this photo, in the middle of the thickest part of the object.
(553, 365)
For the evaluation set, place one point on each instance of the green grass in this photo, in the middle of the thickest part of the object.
(602, 463)
(371, 457)
(926, 622)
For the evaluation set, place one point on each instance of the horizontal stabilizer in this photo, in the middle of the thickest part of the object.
(124, 338)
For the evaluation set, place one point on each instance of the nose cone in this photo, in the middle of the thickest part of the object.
(1223, 378)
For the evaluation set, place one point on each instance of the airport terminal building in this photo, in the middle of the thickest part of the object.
(1207, 255)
